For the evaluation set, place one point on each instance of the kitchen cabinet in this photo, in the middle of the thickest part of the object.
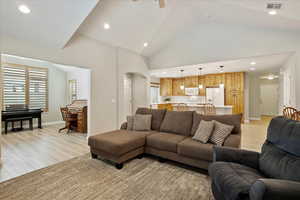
(201, 81)
(167, 106)
(214, 80)
(176, 83)
(166, 87)
(191, 81)
(234, 91)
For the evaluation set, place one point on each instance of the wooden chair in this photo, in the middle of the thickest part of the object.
(181, 107)
(209, 109)
(288, 112)
(296, 116)
(69, 118)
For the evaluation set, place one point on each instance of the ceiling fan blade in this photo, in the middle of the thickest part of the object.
(162, 3)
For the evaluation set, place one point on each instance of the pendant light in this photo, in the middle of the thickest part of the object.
(200, 85)
(182, 83)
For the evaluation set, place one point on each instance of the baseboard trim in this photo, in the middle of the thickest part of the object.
(49, 123)
(255, 118)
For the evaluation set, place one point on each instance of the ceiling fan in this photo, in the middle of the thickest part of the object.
(162, 3)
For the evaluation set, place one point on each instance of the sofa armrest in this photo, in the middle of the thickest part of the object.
(124, 126)
(233, 140)
(243, 157)
(275, 189)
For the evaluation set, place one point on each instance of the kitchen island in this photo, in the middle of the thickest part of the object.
(220, 109)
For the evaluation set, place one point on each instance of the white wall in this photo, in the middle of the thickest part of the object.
(269, 91)
(57, 86)
(254, 97)
(139, 92)
(130, 62)
(107, 63)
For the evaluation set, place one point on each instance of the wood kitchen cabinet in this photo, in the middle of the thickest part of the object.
(201, 81)
(214, 80)
(166, 87)
(234, 91)
(176, 91)
(167, 106)
(191, 81)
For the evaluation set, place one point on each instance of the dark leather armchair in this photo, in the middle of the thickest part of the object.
(273, 174)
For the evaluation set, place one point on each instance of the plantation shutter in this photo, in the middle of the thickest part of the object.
(14, 85)
(38, 88)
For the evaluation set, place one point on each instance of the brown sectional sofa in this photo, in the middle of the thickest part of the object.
(170, 138)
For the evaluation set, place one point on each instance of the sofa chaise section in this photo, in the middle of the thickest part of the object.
(118, 146)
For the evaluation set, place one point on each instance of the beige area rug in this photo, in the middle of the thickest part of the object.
(83, 178)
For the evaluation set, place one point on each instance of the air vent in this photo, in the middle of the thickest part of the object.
(274, 6)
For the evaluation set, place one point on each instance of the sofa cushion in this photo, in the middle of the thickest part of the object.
(157, 116)
(220, 133)
(142, 122)
(233, 180)
(279, 164)
(130, 120)
(118, 142)
(179, 122)
(194, 149)
(234, 120)
(204, 131)
(164, 141)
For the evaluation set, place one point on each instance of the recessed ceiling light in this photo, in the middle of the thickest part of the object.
(272, 12)
(253, 63)
(24, 9)
(252, 69)
(145, 44)
(106, 26)
(271, 77)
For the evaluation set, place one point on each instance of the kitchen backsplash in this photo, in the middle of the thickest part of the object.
(184, 99)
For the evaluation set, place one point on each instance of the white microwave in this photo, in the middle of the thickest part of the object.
(192, 91)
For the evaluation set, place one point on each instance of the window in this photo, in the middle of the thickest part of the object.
(24, 85)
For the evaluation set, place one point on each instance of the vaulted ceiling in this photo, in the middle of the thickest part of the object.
(135, 22)
(132, 23)
(50, 23)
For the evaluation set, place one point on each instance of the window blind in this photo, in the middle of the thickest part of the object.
(38, 92)
(14, 85)
(25, 85)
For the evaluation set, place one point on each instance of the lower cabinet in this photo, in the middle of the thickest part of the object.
(167, 106)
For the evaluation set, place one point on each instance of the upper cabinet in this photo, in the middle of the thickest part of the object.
(166, 86)
(176, 90)
(214, 80)
(191, 81)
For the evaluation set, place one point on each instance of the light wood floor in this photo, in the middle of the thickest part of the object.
(26, 151)
(254, 133)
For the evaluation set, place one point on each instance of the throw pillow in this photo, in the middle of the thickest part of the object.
(204, 131)
(142, 122)
(220, 133)
(130, 120)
